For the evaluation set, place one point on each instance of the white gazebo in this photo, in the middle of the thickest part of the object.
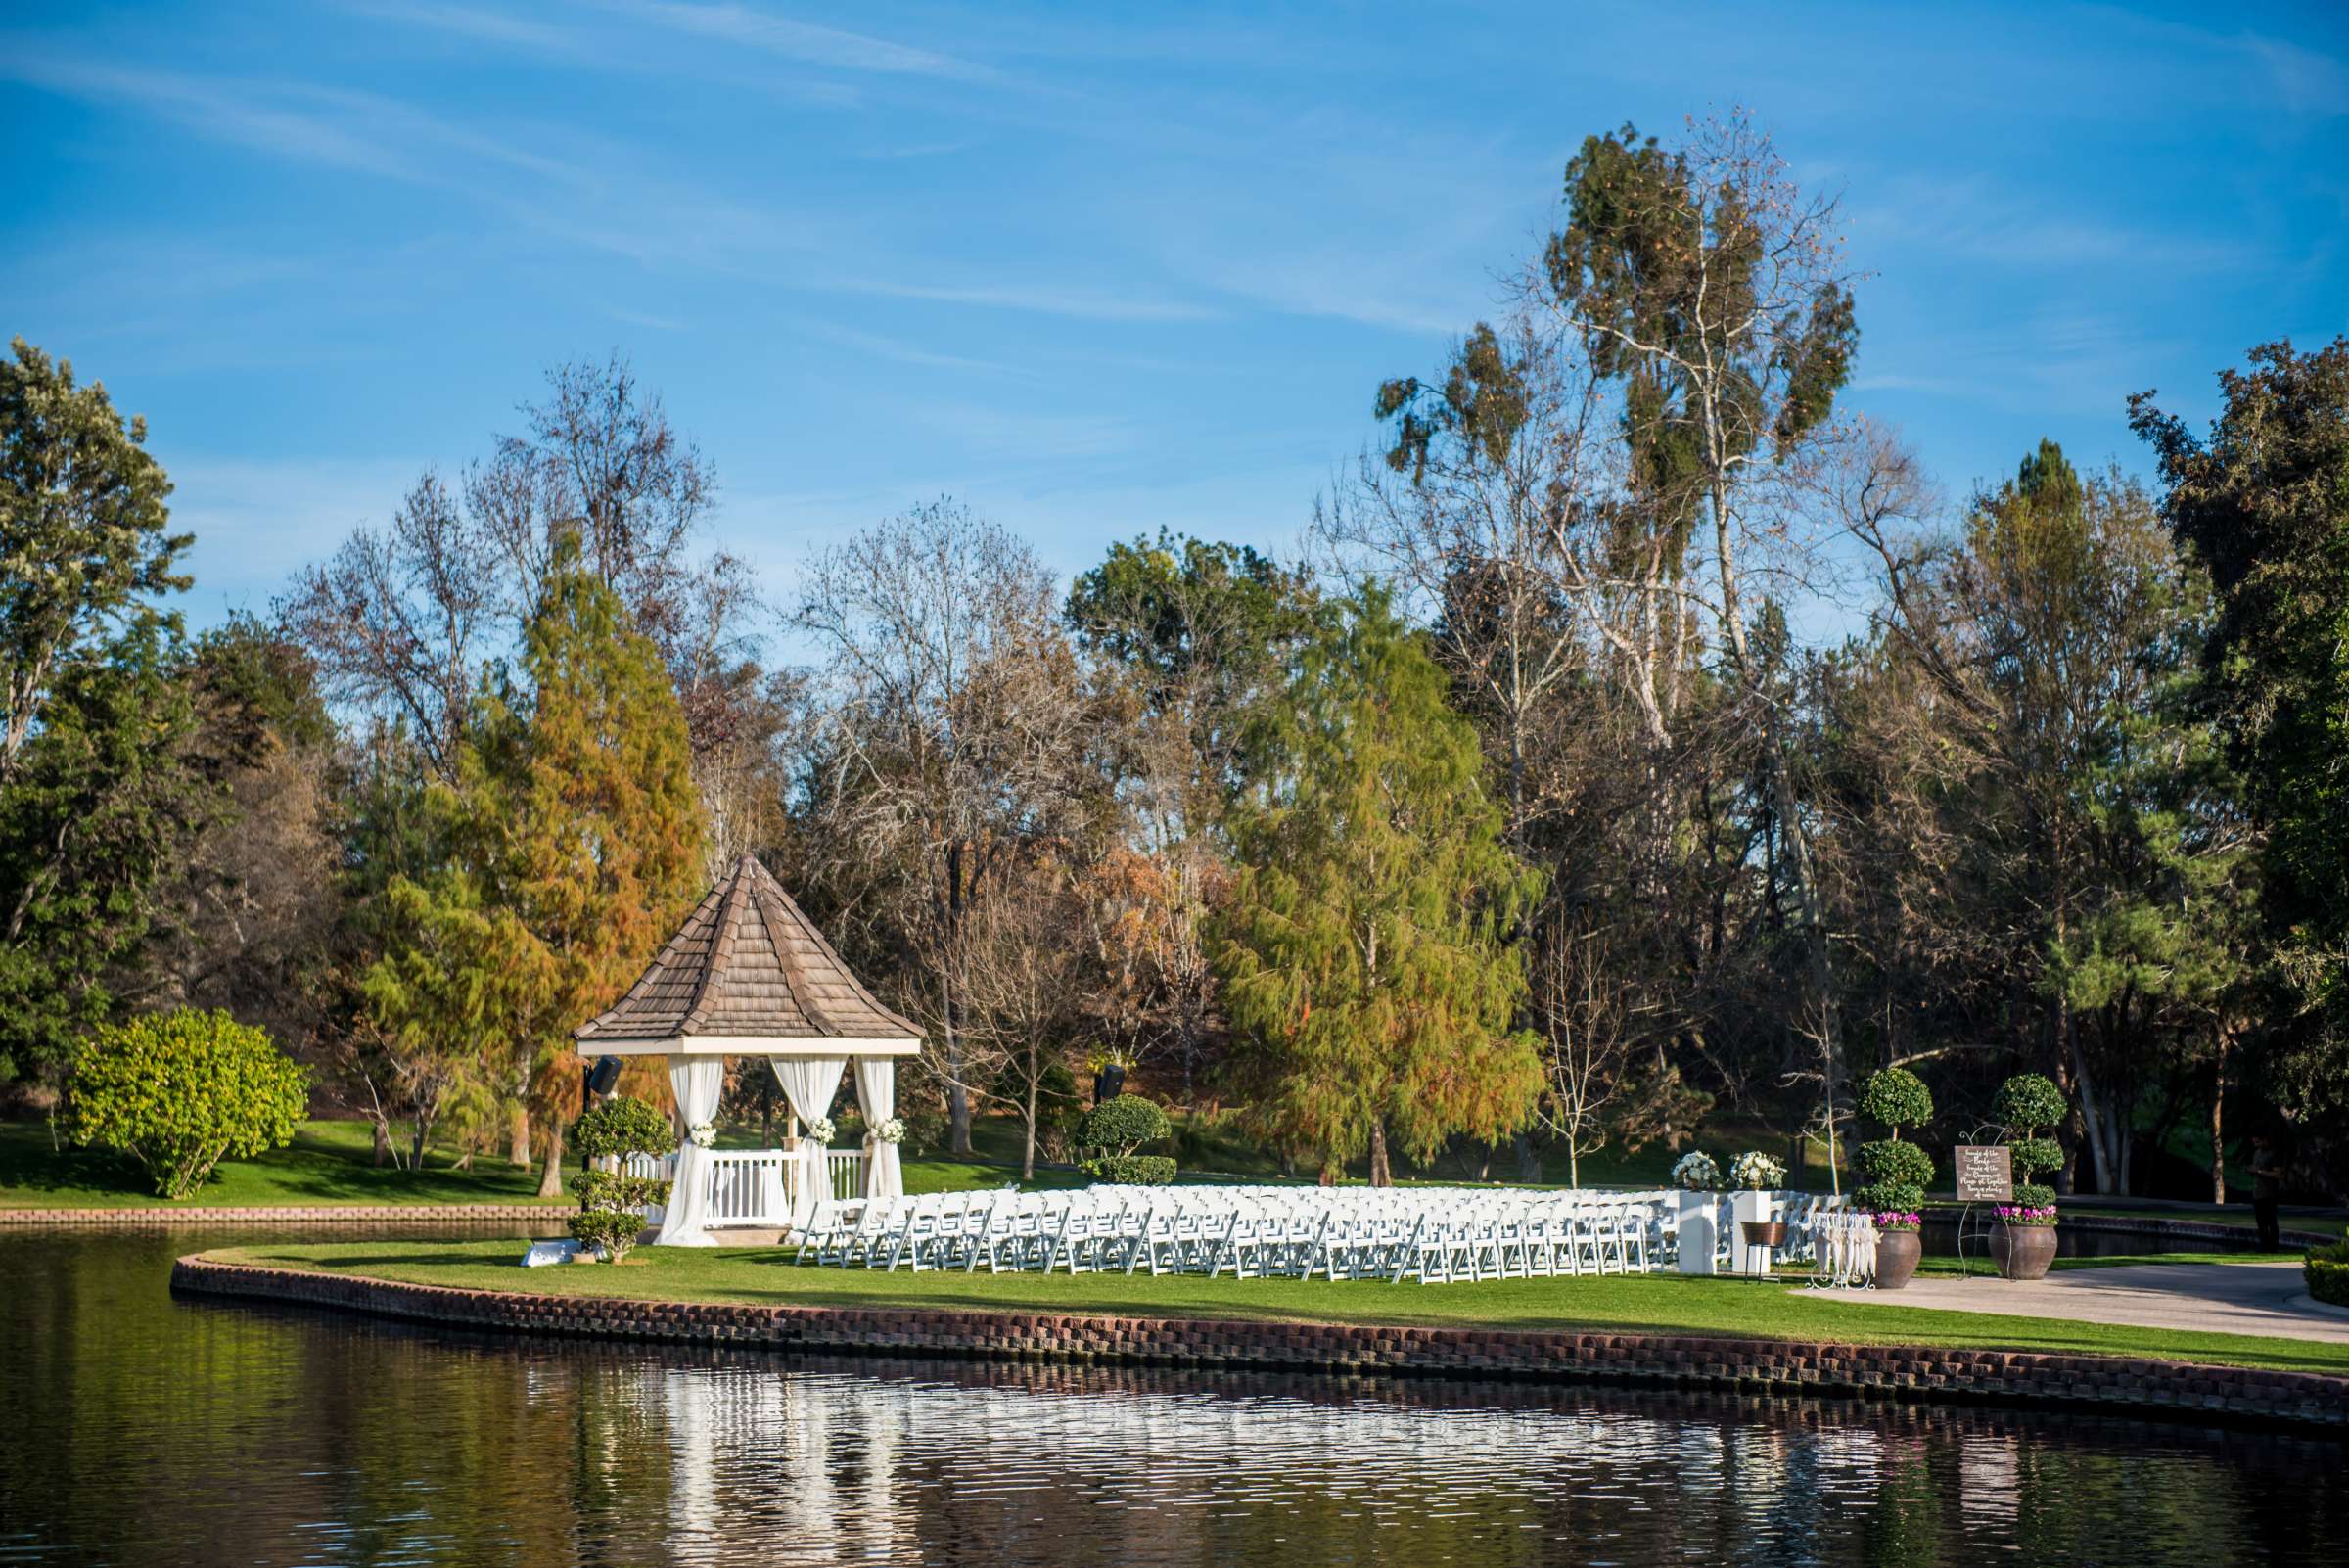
(749, 974)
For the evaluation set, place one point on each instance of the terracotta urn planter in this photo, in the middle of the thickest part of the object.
(1897, 1253)
(2022, 1252)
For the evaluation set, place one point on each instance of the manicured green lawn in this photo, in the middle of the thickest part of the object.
(328, 1162)
(1646, 1304)
(333, 1163)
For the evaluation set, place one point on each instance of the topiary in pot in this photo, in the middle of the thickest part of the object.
(2023, 1241)
(1898, 1170)
(612, 1203)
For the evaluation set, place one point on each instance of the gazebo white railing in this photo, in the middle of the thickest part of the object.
(757, 1187)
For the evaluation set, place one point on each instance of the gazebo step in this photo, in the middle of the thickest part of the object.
(747, 1235)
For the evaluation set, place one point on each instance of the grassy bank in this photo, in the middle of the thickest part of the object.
(1661, 1304)
(334, 1162)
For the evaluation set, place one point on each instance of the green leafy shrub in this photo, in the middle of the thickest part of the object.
(2035, 1156)
(2028, 1102)
(181, 1092)
(1891, 1197)
(1890, 1161)
(1898, 1173)
(1132, 1170)
(612, 1203)
(623, 1125)
(1895, 1097)
(610, 1231)
(1122, 1125)
(2326, 1271)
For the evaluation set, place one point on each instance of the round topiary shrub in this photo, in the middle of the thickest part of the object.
(623, 1125)
(612, 1203)
(2029, 1102)
(181, 1092)
(1899, 1173)
(1132, 1170)
(1895, 1097)
(1120, 1126)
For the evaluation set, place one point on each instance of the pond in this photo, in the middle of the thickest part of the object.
(147, 1430)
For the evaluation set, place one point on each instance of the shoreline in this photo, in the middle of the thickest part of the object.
(155, 1217)
(2178, 1391)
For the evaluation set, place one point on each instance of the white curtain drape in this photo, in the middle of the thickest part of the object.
(809, 1085)
(877, 1095)
(697, 1081)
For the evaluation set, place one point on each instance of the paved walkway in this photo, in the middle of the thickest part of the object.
(2267, 1298)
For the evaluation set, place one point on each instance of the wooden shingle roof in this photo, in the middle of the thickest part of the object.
(747, 963)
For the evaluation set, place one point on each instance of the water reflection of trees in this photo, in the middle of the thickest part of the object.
(207, 1432)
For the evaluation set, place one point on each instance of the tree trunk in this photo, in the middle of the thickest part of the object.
(383, 1143)
(2218, 1128)
(2092, 1116)
(550, 1180)
(1381, 1174)
(1529, 1159)
(518, 1146)
(1028, 1149)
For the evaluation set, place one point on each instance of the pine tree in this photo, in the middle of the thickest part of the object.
(1363, 949)
(575, 848)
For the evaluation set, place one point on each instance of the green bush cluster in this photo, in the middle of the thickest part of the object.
(620, 1126)
(1122, 1125)
(2028, 1102)
(612, 1202)
(1899, 1171)
(2326, 1271)
(1110, 1134)
(1895, 1097)
(1132, 1170)
(180, 1092)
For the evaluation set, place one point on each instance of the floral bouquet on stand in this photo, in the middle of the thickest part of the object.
(1756, 1172)
(1697, 1172)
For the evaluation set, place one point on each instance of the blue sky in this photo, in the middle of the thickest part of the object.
(1094, 270)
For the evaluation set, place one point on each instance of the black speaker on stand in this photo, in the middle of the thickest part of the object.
(602, 1078)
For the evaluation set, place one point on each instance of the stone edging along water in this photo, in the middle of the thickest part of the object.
(2178, 1389)
(311, 1213)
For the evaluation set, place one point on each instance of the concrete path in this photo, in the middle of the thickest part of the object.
(2213, 1297)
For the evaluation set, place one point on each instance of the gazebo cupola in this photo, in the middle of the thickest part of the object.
(749, 974)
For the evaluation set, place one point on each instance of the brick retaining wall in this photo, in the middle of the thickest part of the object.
(343, 1213)
(1877, 1371)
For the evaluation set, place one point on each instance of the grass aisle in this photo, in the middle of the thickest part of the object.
(1658, 1303)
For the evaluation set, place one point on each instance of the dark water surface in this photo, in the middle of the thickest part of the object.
(139, 1429)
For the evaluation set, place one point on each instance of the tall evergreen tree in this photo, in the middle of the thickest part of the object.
(2262, 503)
(1363, 949)
(97, 800)
(576, 840)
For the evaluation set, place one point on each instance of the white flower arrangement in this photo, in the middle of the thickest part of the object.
(891, 1130)
(821, 1130)
(702, 1134)
(1696, 1171)
(1756, 1172)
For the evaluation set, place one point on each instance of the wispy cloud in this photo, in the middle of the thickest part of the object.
(336, 129)
(1979, 219)
(1079, 301)
(803, 41)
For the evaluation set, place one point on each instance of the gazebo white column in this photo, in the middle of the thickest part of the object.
(749, 974)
